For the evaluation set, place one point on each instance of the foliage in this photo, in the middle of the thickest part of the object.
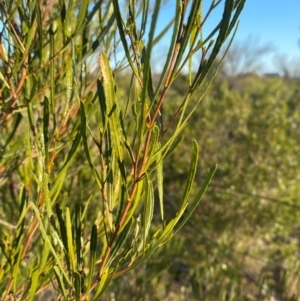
(83, 168)
(242, 242)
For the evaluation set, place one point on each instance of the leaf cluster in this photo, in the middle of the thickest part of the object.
(82, 168)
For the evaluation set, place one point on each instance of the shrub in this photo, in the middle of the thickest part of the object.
(83, 168)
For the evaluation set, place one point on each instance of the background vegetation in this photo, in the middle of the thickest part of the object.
(92, 184)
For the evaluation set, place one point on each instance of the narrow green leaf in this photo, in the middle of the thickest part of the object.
(135, 202)
(47, 241)
(143, 257)
(234, 20)
(147, 57)
(34, 278)
(52, 72)
(59, 180)
(112, 106)
(19, 118)
(70, 239)
(174, 140)
(225, 22)
(121, 239)
(77, 285)
(46, 132)
(100, 37)
(21, 220)
(2, 78)
(44, 257)
(145, 13)
(102, 285)
(136, 116)
(186, 33)
(110, 182)
(224, 27)
(81, 16)
(17, 264)
(62, 228)
(148, 209)
(69, 19)
(191, 174)
(93, 250)
(120, 22)
(206, 68)
(40, 33)
(190, 60)
(197, 199)
(153, 145)
(68, 83)
(18, 246)
(60, 282)
(121, 202)
(47, 199)
(150, 248)
(86, 206)
(102, 103)
(78, 237)
(85, 144)
(168, 230)
(160, 179)
(29, 41)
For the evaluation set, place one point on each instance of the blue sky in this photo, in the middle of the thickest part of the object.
(268, 22)
(274, 21)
